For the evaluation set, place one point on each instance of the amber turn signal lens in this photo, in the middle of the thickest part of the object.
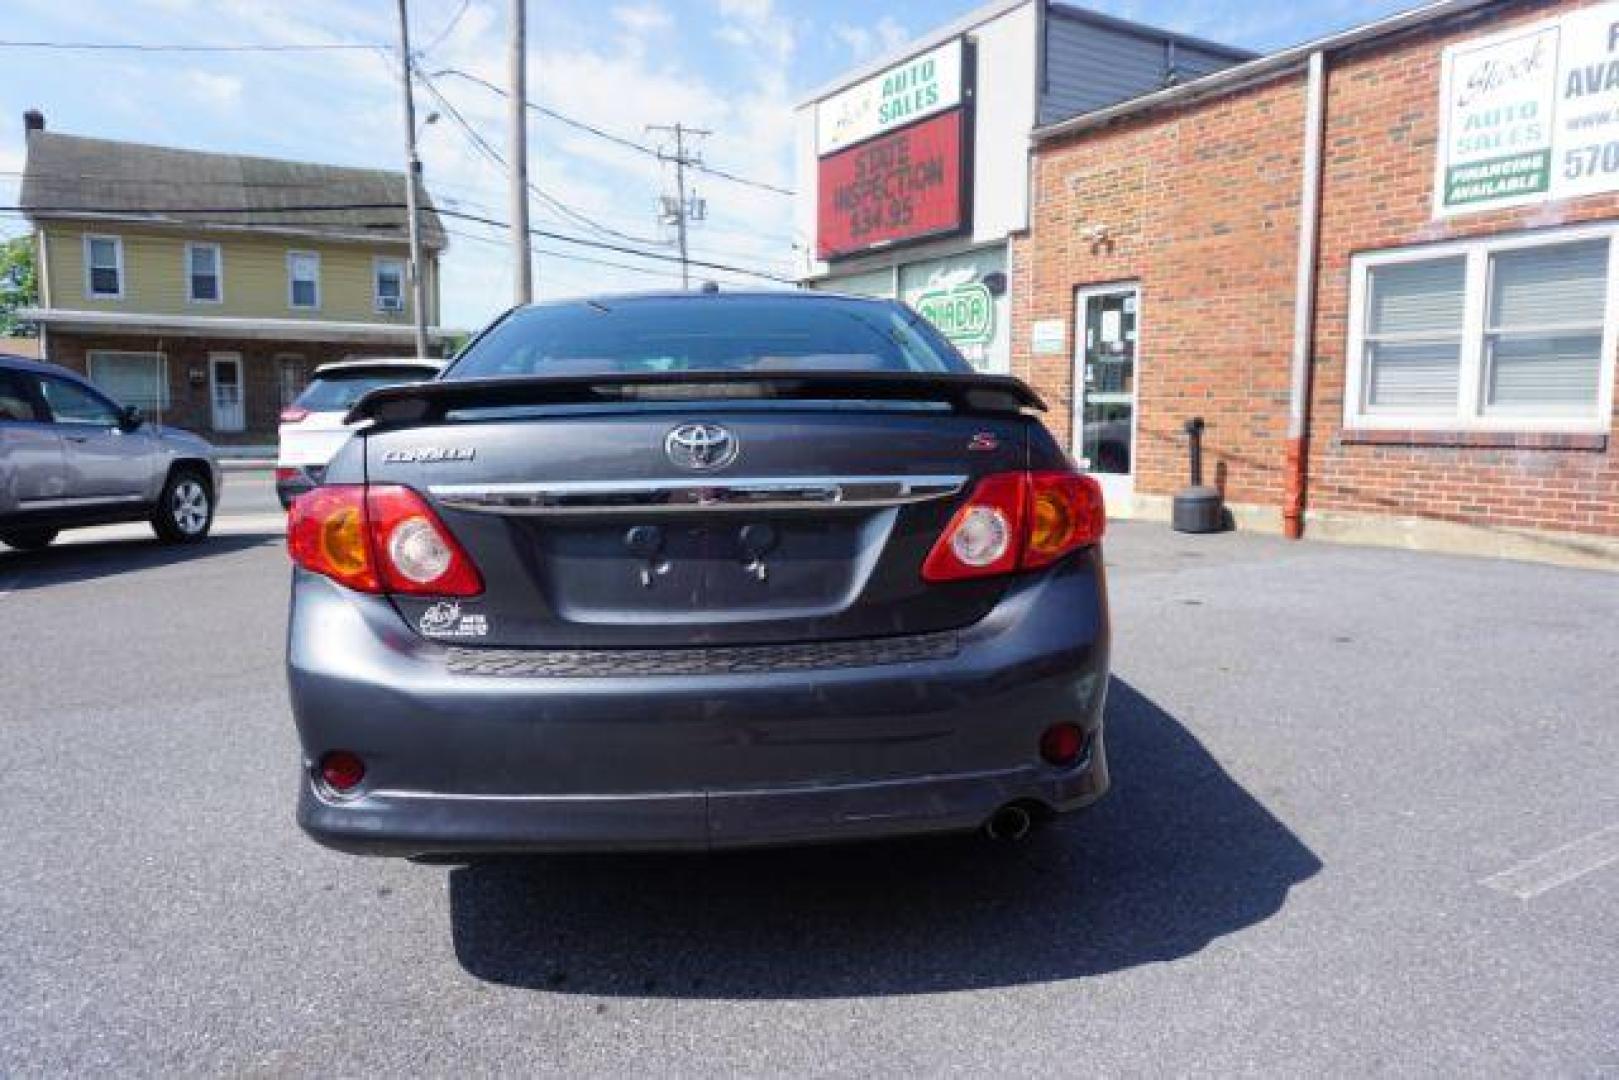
(1052, 523)
(342, 541)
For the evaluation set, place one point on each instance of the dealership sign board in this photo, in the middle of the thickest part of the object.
(901, 186)
(918, 88)
(1530, 115)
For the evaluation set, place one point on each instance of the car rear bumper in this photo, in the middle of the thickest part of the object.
(462, 763)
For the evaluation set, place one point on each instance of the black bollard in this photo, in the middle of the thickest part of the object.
(1197, 508)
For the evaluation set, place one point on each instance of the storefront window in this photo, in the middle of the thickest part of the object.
(132, 378)
(1494, 333)
(966, 297)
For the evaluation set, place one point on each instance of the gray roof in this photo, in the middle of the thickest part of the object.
(68, 173)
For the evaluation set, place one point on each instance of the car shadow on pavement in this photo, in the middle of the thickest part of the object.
(65, 563)
(1177, 855)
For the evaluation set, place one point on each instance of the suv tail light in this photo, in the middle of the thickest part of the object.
(292, 414)
(1018, 521)
(383, 538)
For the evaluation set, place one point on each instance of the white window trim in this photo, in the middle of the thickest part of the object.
(292, 255)
(1469, 414)
(219, 272)
(118, 249)
(377, 263)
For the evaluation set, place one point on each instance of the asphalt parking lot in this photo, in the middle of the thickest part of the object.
(1366, 817)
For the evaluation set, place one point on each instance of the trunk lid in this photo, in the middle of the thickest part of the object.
(617, 525)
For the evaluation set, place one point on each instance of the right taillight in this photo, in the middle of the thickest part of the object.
(378, 539)
(1017, 521)
(1066, 513)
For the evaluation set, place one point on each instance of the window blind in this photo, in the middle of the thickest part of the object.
(1414, 335)
(132, 378)
(1543, 345)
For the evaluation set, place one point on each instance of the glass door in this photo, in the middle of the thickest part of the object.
(225, 379)
(1105, 382)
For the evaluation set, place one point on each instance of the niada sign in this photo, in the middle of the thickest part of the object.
(964, 313)
(1530, 115)
(921, 86)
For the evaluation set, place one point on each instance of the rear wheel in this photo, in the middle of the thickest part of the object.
(185, 511)
(27, 539)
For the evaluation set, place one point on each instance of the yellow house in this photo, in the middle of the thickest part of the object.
(206, 287)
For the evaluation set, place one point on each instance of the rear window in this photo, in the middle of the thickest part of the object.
(338, 390)
(708, 333)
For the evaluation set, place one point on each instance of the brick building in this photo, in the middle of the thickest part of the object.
(1380, 266)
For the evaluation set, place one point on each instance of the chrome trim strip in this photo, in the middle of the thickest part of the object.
(80, 502)
(580, 497)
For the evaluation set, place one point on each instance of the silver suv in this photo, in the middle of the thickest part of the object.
(70, 456)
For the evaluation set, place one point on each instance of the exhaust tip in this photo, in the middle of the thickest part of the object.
(1009, 824)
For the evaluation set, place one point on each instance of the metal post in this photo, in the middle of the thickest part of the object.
(413, 179)
(680, 193)
(682, 208)
(517, 156)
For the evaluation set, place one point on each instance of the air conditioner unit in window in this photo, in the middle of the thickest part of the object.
(391, 303)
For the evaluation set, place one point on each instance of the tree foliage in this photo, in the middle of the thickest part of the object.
(19, 285)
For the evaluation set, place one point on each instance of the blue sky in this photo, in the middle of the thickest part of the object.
(734, 66)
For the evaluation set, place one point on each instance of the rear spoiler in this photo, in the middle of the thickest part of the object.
(428, 402)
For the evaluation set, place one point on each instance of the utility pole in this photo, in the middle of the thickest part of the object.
(413, 180)
(683, 208)
(517, 155)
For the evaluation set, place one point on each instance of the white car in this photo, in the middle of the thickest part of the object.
(312, 428)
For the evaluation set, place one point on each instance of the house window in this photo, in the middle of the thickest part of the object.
(203, 274)
(104, 267)
(303, 279)
(390, 284)
(132, 378)
(1506, 333)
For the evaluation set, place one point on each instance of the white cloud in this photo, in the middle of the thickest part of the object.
(865, 42)
(643, 18)
(217, 91)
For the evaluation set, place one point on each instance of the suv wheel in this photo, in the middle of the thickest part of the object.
(27, 539)
(185, 510)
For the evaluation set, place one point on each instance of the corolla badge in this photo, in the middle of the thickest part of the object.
(701, 447)
(427, 454)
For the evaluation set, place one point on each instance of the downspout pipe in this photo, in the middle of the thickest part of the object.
(1304, 287)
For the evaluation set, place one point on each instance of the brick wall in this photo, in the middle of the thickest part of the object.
(1377, 192)
(1200, 206)
(189, 405)
(1198, 209)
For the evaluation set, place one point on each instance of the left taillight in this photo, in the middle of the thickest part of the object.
(1018, 521)
(377, 539)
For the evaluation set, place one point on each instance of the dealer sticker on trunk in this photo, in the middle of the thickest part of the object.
(445, 620)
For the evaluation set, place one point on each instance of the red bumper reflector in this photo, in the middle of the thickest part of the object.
(342, 771)
(1062, 744)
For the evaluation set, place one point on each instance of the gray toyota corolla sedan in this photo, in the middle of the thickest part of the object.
(696, 571)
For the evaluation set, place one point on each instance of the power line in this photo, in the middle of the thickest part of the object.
(459, 215)
(668, 275)
(123, 46)
(659, 256)
(438, 39)
(627, 143)
(499, 159)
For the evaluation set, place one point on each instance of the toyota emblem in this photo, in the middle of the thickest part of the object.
(701, 447)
